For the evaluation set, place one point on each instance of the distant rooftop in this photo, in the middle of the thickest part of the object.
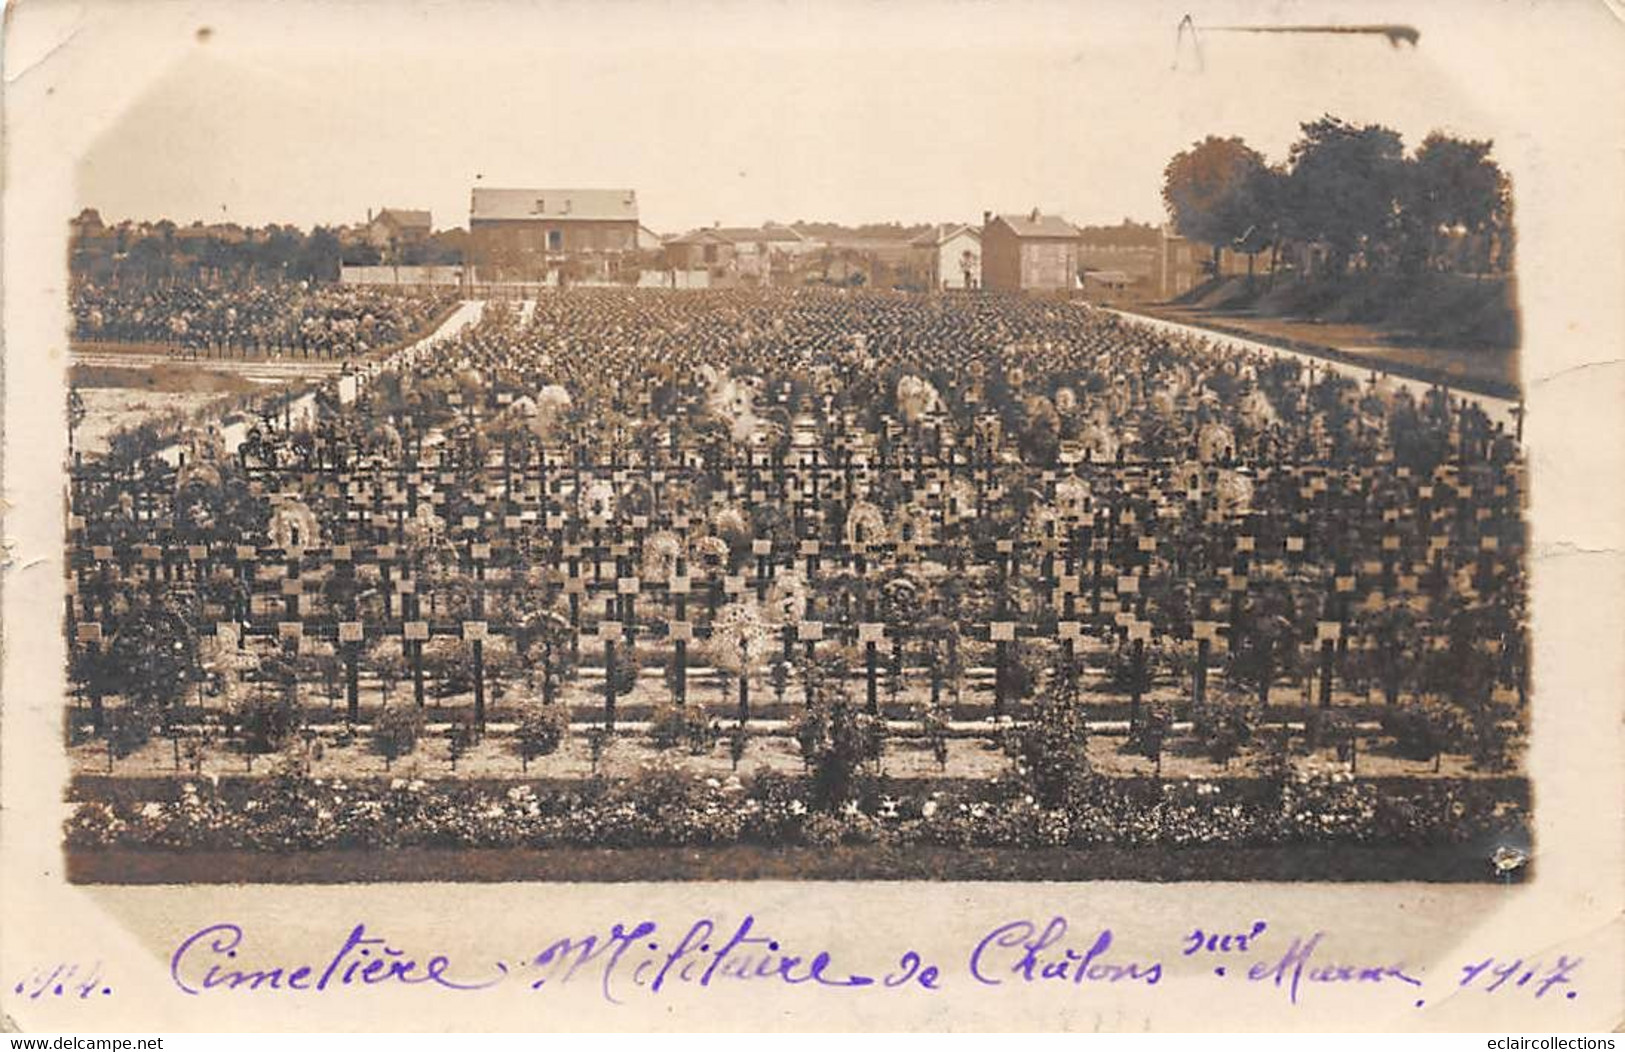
(741, 235)
(942, 232)
(1036, 224)
(490, 203)
(766, 234)
(407, 217)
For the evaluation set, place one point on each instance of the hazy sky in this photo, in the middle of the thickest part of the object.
(728, 112)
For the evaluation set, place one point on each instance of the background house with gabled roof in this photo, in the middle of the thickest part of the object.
(1029, 252)
(398, 228)
(949, 256)
(550, 234)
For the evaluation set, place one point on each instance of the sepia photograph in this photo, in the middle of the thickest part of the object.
(896, 503)
(973, 532)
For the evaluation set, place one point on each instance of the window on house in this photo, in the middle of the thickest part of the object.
(555, 240)
(710, 253)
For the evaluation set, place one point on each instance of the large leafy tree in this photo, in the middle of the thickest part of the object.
(1452, 187)
(1212, 192)
(1344, 189)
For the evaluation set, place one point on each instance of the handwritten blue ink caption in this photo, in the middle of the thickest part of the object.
(642, 958)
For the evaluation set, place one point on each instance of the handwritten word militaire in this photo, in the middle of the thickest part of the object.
(644, 958)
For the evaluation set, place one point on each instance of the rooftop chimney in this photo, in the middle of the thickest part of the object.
(987, 217)
(1034, 216)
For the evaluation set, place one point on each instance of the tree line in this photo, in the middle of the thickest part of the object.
(1348, 198)
(163, 252)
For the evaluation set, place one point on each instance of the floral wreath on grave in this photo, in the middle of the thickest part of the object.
(1098, 441)
(709, 552)
(1234, 491)
(1213, 440)
(424, 529)
(661, 551)
(900, 598)
(730, 520)
(865, 524)
(552, 401)
(598, 499)
(195, 486)
(1036, 524)
(293, 526)
(637, 496)
(787, 598)
(1189, 479)
(387, 439)
(197, 474)
(741, 637)
(1119, 401)
(1072, 496)
(916, 398)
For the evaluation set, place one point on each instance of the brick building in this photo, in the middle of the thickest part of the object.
(550, 235)
(1029, 253)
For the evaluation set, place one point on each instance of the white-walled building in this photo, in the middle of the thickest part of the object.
(951, 256)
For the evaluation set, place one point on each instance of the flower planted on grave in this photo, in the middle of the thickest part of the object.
(1425, 729)
(541, 730)
(1266, 648)
(395, 733)
(388, 663)
(1151, 734)
(1221, 728)
(448, 663)
(1052, 749)
(674, 726)
(269, 716)
(1272, 763)
(542, 641)
(850, 739)
(1040, 430)
(128, 729)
